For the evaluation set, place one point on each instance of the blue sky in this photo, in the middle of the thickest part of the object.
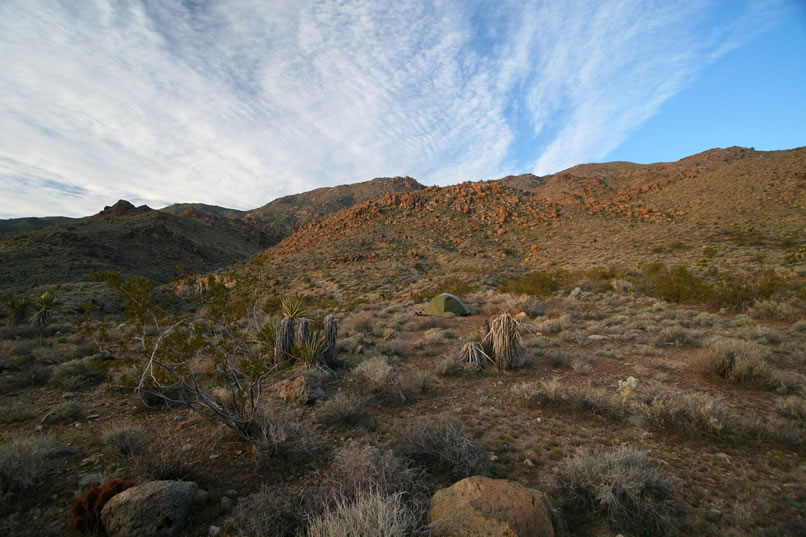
(237, 102)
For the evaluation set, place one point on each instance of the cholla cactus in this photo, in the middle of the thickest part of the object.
(504, 338)
(331, 330)
(284, 340)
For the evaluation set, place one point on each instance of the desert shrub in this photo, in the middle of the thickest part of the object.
(677, 336)
(376, 372)
(676, 284)
(745, 363)
(273, 510)
(125, 440)
(360, 467)
(86, 511)
(66, 411)
(24, 461)
(348, 344)
(473, 357)
(739, 291)
(540, 393)
(539, 283)
(695, 414)
(793, 408)
(344, 408)
(437, 335)
(554, 326)
(168, 456)
(278, 436)
(774, 309)
(369, 514)
(448, 366)
(394, 347)
(418, 381)
(77, 374)
(586, 397)
(625, 486)
(799, 326)
(557, 359)
(445, 441)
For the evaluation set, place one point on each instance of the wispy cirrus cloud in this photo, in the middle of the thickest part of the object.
(238, 102)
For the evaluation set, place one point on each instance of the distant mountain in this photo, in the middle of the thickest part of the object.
(32, 222)
(151, 243)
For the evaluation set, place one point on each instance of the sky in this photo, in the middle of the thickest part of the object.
(238, 102)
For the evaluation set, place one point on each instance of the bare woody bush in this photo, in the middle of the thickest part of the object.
(358, 467)
(626, 487)
(443, 440)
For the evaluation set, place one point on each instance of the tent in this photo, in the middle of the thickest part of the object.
(446, 303)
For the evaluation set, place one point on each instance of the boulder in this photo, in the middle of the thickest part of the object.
(481, 506)
(154, 509)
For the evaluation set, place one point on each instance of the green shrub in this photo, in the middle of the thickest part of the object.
(77, 374)
(23, 461)
(539, 283)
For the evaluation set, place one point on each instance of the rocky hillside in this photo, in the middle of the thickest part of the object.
(732, 209)
(282, 216)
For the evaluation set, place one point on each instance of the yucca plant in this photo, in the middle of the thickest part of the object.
(331, 330)
(473, 355)
(266, 335)
(504, 338)
(17, 310)
(310, 349)
(42, 316)
(294, 308)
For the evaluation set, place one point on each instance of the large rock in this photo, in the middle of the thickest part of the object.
(302, 390)
(484, 507)
(155, 509)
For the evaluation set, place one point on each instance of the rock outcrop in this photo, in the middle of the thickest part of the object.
(154, 509)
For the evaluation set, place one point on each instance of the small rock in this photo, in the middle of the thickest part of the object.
(213, 531)
(493, 457)
(231, 493)
(226, 502)
(597, 337)
(93, 417)
(69, 395)
(358, 349)
(723, 456)
(214, 456)
(528, 462)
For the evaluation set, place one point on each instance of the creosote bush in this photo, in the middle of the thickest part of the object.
(125, 439)
(445, 441)
(625, 486)
(343, 408)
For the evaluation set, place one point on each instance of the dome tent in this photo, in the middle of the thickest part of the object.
(446, 303)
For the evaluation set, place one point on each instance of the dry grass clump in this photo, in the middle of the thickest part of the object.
(343, 408)
(273, 510)
(799, 326)
(170, 457)
(125, 439)
(369, 514)
(625, 486)
(24, 460)
(692, 414)
(77, 374)
(745, 363)
(419, 381)
(445, 441)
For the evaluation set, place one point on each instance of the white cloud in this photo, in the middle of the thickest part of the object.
(237, 102)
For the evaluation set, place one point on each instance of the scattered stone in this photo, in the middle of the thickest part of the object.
(528, 462)
(723, 456)
(93, 417)
(358, 349)
(89, 481)
(50, 418)
(597, 337)
(157, 508)
(213, 531)
(301, 390)
(480, 506)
